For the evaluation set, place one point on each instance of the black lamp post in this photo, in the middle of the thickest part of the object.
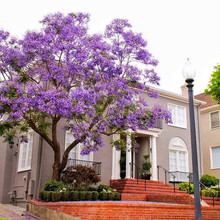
(189, 74)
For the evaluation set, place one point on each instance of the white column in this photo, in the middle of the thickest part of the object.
(128, 157)
(154, 157)
(116, 154)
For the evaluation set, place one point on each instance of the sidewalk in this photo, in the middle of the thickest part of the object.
(11, 212)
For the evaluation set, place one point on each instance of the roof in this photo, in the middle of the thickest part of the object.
(206, 98)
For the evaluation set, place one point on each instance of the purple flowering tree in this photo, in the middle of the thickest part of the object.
(90, 81)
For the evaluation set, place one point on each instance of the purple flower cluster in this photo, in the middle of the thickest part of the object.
(88, 80)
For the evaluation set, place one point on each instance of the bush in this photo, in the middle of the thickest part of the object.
(88, 196)
(82, 195)
(74, 196)
(56, 196)
(47, 196)
(117, 196)
(104, 188)
(64, 196)
(110, 195)
(209, 180)
(41, 195)
(53, 185)
(186, 187)
(103, 196)
(80, 175)
(95, 195)
(92, 189)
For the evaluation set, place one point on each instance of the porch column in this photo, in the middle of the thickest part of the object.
(116, 154)
(154, 157)
(128, 156)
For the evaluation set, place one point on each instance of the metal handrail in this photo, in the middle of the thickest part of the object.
(213, 194)
(138, 168)
(95, 165)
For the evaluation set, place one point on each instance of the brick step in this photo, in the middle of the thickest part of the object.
(151, 191)
(140, 187)
(122, 181)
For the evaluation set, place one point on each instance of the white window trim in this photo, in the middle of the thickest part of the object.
(26, 168)
(210, 119)
(78, 155)
(185, 116)
(211, 159)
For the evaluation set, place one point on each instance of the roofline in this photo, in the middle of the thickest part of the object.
(177, 97)
(210, 108)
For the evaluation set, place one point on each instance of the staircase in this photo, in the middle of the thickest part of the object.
(209, 201)
(154, 191)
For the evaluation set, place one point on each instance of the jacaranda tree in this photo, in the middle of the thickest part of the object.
(91, 81)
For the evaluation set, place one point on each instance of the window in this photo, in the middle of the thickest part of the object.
(25, 154)
(178, 114)
(215, 157)
(178, 159)
(75, 152)
(215, 120)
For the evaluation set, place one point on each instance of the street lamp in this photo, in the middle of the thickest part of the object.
(189, 74)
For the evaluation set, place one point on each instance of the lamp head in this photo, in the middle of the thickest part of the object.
(189, 71)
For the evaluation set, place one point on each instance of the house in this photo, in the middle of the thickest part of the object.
(210, 133)
(25, 167)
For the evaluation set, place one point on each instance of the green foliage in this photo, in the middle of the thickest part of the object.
(104, 188)
(53, 185)
(5, 218)
(92, 189)
(47, 196)
(74, 196)
(103, 196)
(41, 195)
(117, 196)
(56, 196)
(88, 196)
(209, 180)
(82, 195)
(110, 195)
(80, 176)
(214, 85)
(186, 187)
(64, 196)
(95, 195)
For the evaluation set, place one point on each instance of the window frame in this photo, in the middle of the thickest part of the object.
(211, 158)
(210, 119)
(21, 148)
(78, 150)
(184, 112)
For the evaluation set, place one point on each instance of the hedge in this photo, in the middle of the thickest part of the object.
(50, 196)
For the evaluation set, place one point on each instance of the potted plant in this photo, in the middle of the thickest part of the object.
(146, 174)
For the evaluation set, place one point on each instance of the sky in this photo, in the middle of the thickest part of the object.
(174, 29)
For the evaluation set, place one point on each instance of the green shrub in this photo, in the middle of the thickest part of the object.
(82, 195)
(41, 195)
(95, 195)
(92, 189)
(56, 196)
(103, 196)
(74, 196)
(110, 195)
(47, 196)
(5, 218)
(64, 196)
(209, 180)
(104, 188)
(117, 196)
(186, 187)
(53, 185)
(88, 196)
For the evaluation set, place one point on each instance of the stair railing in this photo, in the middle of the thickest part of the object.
(165, 173)
(138, 169)
(213, 194)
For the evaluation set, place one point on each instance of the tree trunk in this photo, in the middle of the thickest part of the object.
(56, 166)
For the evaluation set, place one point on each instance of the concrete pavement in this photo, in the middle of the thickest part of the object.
(12, 212)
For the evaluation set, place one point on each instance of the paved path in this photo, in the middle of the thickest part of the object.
(14, 212)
